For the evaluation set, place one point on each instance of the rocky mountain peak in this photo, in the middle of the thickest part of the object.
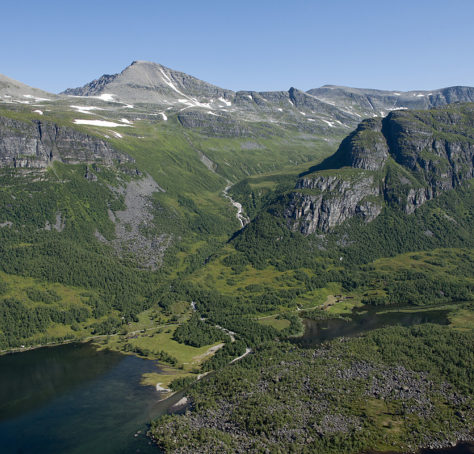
(151, 83)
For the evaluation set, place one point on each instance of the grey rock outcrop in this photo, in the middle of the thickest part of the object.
(403, 160)
(366, 148)
(135, 233)
(437, 146)
(339, 199)
(327, 111)
(221, 124)
(36, 144)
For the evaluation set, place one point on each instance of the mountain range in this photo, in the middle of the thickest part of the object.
(164, 216)
(191, 139)
(157, 90)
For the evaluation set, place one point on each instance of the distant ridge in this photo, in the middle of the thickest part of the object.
(377, 100)
(10, 88)
(161, 93)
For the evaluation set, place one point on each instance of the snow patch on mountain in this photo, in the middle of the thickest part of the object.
(227, 103)
(108, 124)
(85, 109)
(106, 97)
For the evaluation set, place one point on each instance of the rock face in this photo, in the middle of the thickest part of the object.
(220, 125)
(339, 199)
(36, 144)
(403, 160)
(366, 148)
(437, 145)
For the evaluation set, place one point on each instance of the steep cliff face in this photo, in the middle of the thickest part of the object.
(437, 145)
(366, 148)
(403, 160)
(332, 200)
(37, 143)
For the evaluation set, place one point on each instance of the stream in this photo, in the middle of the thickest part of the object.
(240, 216)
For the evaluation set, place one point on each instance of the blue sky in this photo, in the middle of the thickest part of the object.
(258, 45)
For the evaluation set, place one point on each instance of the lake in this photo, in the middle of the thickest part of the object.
(366, 319)
(75, 399)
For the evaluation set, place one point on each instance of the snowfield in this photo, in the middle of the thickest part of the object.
(105, 97)
(85, 109)
(329, 123)
(227, 103)
(107, 124)
(36, 98)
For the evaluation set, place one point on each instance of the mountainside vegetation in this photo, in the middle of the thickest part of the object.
(200, 226)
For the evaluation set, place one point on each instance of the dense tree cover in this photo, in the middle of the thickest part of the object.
(442, 352)
(182, 382)
(344, 397)
(59, 259)
(409, 287)
(53, 221)
(254, 200)
(296, 327)
(225, 355)
(231, 313)
(267, 240)
(110, 325)
(442, 222)
(100, 306)
(197, 333)
(3, 287)
(42, 296)
(200, 221)
(19, 321)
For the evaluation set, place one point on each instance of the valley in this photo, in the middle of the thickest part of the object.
(298, 264)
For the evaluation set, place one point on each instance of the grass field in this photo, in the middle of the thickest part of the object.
(273, 320)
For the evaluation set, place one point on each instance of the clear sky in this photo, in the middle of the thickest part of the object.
(241, 44)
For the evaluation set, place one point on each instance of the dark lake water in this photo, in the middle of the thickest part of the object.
(75, 399)
(317, 331)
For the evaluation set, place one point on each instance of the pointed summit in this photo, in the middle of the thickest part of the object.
(152, 83)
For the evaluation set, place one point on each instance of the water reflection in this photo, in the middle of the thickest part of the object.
(74, 399)
(31, 378)
(317, 331)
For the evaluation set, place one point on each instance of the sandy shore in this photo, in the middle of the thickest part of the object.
(161, 389)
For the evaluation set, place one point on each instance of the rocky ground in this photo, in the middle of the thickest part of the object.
(318, 401)
(134, 228)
